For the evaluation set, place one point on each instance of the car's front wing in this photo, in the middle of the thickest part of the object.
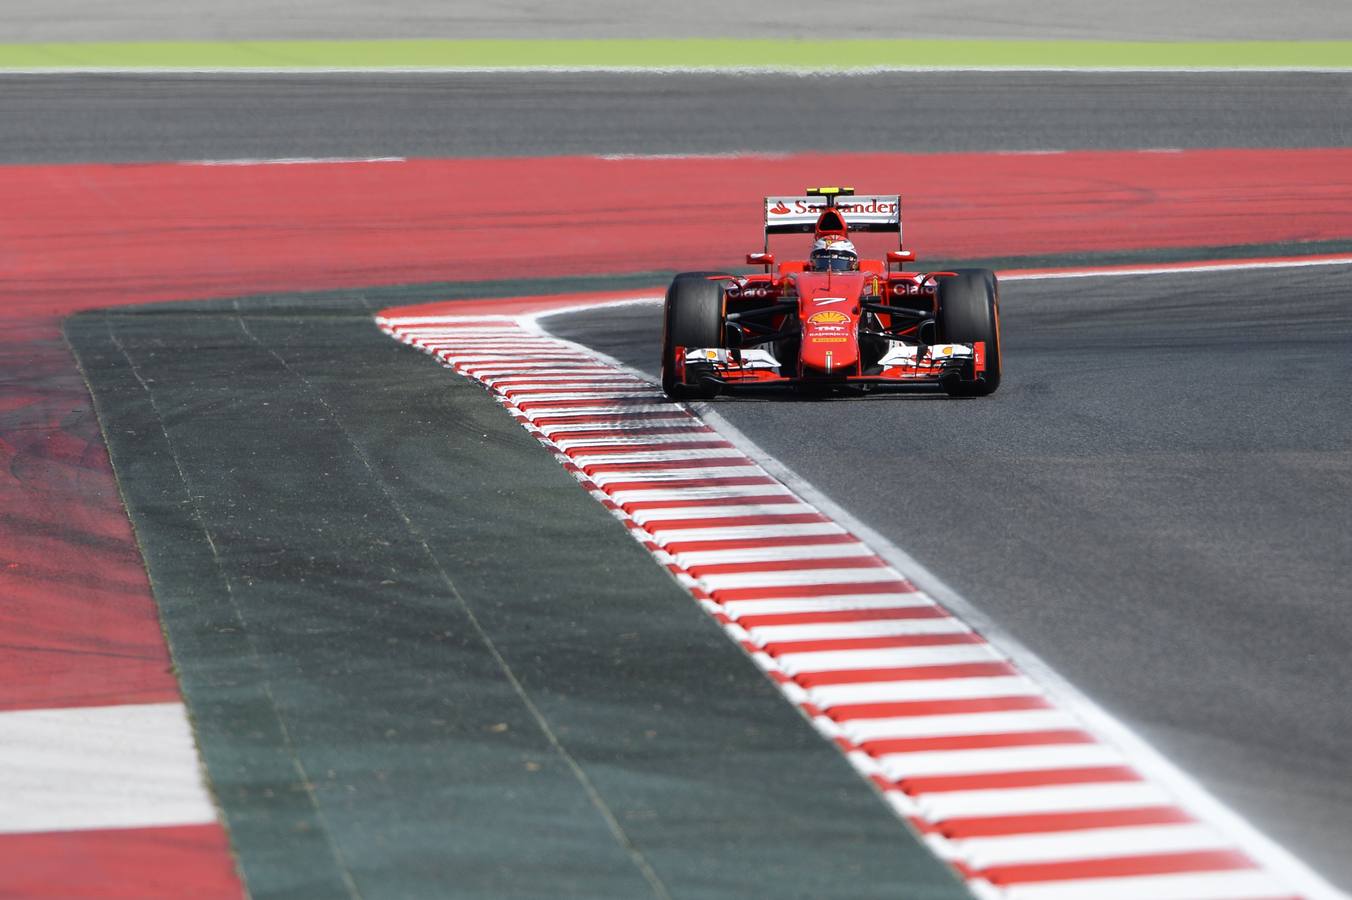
(902, 364)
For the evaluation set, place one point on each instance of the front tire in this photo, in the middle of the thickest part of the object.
(692, 317)
(969, 311)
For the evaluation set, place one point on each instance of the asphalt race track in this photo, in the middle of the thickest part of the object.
(1155, 501)
(142, 118)
(170, 20)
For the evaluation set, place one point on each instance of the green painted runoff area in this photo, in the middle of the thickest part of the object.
(695, 53)
(420, 661)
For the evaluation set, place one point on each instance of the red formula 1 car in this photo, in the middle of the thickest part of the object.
(832, 321)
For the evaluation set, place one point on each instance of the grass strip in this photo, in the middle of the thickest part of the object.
(789, 55)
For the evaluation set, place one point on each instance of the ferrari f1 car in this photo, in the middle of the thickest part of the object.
(832, 321)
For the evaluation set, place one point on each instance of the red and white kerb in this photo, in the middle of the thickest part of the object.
(1018, 794)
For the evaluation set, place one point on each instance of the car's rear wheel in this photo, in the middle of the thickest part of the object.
(969, 311)
(692, 317)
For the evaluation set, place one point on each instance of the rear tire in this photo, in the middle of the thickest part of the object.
(692, 317)
(969, 311)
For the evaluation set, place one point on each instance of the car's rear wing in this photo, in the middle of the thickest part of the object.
(798, 215)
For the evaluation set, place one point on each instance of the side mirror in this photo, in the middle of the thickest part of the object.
(760, 259)
(900, 256)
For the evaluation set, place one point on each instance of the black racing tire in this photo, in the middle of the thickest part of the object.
(692, 317)
(969, 311)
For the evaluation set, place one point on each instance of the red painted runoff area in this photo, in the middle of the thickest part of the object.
(119, 864)
(91, 235)
(78, 625)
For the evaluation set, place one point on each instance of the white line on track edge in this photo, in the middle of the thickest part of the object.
(1150, 761)
(804, 72)
(290, 160)
(1293, 262)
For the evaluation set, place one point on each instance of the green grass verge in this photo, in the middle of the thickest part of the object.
(711, 54)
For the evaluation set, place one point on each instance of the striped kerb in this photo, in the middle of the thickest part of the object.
(1019, 795)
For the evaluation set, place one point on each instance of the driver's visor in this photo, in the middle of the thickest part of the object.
(831, 262)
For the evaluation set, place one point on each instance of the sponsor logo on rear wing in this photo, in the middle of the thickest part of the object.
(796, 215)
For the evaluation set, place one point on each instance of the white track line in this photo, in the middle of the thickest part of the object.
(897, 658)
(985, 852)
(947, 805)
(130, 766)
(962, 724)
(1178, 269)
(922, 690)
(1241, 885)
(293, 161)
(740, 609)
(803, 72)
(788, 634)
(1000, 759)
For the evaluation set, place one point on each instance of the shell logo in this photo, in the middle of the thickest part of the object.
(828, 317)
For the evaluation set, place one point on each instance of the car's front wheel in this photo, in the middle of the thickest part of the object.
(969, 312)
(692, 317)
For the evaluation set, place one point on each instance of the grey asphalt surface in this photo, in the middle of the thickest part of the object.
(29, 21)
(1157, 501)
(421, 662)
(146, 118)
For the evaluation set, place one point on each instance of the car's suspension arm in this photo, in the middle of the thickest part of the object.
(919, 318)
(904, 311)
(747, 314)
(749, 330)
(763, 335)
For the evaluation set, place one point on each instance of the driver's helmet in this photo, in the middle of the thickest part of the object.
(833, 254)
